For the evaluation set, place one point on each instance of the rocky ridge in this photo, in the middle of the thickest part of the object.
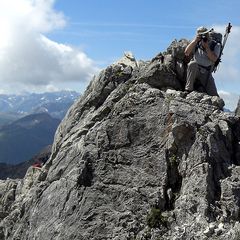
(134, 158)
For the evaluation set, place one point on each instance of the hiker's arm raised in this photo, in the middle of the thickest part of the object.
(191, 46)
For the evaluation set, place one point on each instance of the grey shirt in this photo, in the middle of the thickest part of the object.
(200, 55)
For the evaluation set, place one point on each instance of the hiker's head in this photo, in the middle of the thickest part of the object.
(203, 32)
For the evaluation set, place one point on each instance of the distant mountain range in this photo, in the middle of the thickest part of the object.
(56, 104)
(28, 123)
(25, 137)
(6, 118)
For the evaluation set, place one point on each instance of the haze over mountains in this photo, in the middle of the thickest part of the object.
(23, 138)
(28, 123)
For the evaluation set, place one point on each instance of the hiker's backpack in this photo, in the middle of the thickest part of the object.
(215, 38)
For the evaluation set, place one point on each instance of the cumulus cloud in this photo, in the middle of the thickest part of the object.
(228, 75)
(29, 61)
(230, 99)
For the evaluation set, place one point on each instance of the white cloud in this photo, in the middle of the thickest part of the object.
(29, 61)
(230, 99)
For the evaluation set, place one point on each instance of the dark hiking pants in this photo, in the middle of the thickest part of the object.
(197, 73)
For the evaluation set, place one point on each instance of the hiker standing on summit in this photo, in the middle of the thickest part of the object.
(200, 67)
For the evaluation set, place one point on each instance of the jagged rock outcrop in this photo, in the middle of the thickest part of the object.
(135, 158)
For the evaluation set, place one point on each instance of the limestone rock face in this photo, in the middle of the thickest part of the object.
(134, 158)
(7, 196)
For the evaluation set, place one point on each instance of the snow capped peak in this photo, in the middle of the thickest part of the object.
(54, 103)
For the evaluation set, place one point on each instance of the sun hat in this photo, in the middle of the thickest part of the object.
(202, 30)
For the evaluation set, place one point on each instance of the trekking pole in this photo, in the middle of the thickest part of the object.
(228, 30)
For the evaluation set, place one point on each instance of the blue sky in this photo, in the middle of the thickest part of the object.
(105, 28)
(51, 45)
